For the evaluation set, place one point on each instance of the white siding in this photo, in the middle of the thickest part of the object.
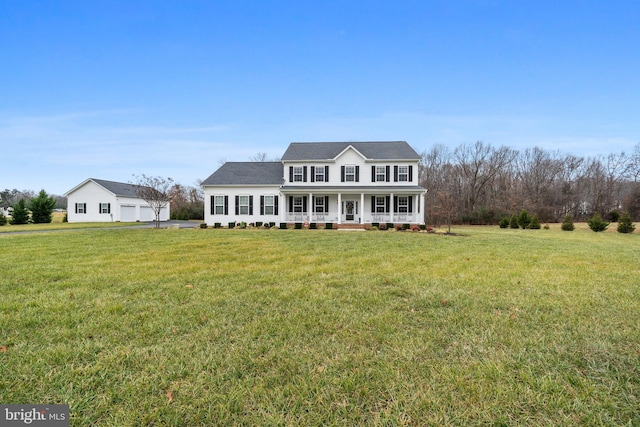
(90, 194)
(231, 193)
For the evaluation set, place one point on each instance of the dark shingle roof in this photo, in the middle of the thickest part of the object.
(119, 188)
(246, 173)
(379, 150)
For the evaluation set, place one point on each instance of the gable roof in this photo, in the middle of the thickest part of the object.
(246, 173)
(374, 150)
(120, 189)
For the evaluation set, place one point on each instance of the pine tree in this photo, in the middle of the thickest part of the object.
(524, 219)
(625, 224)
(41, 208)
(535, 223)
(596, 223)
(20, 213)
(567, 224)
(3, 219)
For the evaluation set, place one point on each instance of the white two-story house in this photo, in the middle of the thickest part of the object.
(321, 182)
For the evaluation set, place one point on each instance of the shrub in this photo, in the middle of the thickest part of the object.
(243, 224)
(375, 224)
(596, 223)
(390, 225)
(430, 230)
(329, 226)
(258, 223)
(266, 225)
(398, 227)
(406, 226)
(217, 225)
(3, 219)
(625, 224)
(203, 225)
(272, 224)
(423, 227)
(382, 226)
(232, 224)
(283, 226)
(504, 223)
(298, 226)
(415, 228)
(535, 223)
(65, 218)
(546, 227)
(567, 224)
(313, 226)
(513, 223)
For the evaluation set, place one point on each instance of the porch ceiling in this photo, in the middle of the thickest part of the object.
(370, 189)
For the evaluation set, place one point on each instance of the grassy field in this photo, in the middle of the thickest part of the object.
(307, 327)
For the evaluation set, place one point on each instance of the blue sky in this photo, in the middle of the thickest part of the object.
(113, 89)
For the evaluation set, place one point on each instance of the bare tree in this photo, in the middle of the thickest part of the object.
(156, 191)
(263, 157)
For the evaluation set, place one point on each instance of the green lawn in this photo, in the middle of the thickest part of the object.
(308, 327)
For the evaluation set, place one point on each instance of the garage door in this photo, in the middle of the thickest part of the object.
(146, 214)
(127, 213)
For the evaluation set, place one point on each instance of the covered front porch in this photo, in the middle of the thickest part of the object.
(354, 207)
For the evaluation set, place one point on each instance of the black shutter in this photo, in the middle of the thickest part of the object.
(326, 204)
(395, 174)
(313, 174)
(290, 204)
(373, 174)
(313, 205)
(250, 205)
(410, 173)
(387, 204)
(76, 208)
(213, 207)
(304, 174)
(108, 208)
(326, 174)
(304, 204)
(341, 173)
(410, 204)
(373, 204)
(357, 173)
(226, 205)
(237, 205)
(261, 205)
(99, 208)
(388, 174)
(290, 173)
(395, 204)
(275, 205)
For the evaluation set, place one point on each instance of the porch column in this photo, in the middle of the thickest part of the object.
(309, 207)
(282, 203)
(391, 207)
(361, 208)
(339, 208)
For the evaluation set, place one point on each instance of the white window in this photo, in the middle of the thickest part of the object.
(381, 204)
(298, 173)
(319, 172)
(218, 205)
(298, 204)
(269, 205)
(403, 204)
(381, 173)
(243, 203)
(350, 173)
(81, 208)
(105, 208)
(403, 173)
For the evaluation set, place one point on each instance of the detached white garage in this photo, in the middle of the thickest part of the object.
(98, 200)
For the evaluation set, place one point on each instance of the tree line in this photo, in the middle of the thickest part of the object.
(482, 184)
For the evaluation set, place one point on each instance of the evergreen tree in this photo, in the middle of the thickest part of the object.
(524, 219)
(3, 219)
(625, 224)
(514, 221)
(596, 223)
(567, 224)
(41, 208)
(535, 223)
(20, 213)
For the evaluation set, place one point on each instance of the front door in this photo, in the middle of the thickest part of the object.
(350, 210)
